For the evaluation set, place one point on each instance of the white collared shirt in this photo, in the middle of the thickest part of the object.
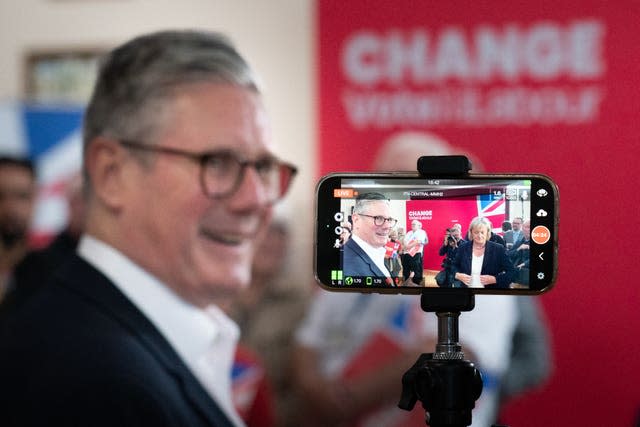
(476, 270)
(376, 254)
(420, 235)
(191, 330)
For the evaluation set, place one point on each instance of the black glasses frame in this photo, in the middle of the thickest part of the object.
(202, 158)
(379, 220)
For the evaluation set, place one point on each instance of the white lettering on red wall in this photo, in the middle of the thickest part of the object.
(420, 215)
(545, 73)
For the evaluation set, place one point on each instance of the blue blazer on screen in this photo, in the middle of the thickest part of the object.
(495, 263)
(356, 262)
(80, 353)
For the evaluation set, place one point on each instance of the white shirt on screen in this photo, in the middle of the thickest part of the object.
(376, 254)
(476, 269)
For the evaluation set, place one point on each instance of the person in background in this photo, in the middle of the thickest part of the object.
(345, 234)
(512, 235)
(180, 183)
(448, 250)
(519, 254)
(17, 201)
(506, 226)
(267, 312)
(251, 389)
(392, 256)
(38, 265)
(497, 238)
(413, 253)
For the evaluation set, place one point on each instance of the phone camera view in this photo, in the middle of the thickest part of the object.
(493, 234)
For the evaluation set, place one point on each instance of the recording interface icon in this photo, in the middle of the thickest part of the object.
(540, 234)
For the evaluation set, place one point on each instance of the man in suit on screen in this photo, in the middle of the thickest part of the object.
(363, 253)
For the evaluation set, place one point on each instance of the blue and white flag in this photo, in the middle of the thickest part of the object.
(51, 136)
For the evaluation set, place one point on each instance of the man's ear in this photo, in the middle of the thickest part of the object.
(105, 162)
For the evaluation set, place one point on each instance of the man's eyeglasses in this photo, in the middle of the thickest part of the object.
(221, 172)
(380, 220)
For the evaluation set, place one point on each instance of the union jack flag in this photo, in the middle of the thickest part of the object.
(493, 208)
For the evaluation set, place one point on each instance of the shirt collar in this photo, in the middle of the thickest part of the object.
(376, 254)
(188, 328)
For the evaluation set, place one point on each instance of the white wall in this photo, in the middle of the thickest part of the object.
(276, 36)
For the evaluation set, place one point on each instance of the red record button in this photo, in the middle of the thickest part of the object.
(540, 234)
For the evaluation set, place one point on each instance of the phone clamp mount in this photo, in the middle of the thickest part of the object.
(444, 381)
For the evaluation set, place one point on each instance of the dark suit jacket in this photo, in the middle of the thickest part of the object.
(79, 353)
(355, 261)
(35, 269)
(495, 263)
(510, 238)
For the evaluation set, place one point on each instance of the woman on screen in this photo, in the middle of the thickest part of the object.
(480, 263)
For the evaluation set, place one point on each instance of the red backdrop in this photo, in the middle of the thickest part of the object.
(550, 87)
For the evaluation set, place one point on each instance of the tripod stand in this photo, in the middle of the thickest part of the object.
(445, 383)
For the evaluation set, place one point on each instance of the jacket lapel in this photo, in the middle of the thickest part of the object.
(84, 279)
(363, 255)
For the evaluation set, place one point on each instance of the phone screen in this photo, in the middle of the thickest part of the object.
(400, 233)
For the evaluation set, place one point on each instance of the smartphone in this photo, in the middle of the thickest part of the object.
(436, 205)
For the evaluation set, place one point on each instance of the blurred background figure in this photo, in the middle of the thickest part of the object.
(506, 226)
(519, 254)
(17, 199)
(413, 256)
(514, 232)
(268, 312)
(398, 152)
(392, 255)
(38, 265)
(448, 250)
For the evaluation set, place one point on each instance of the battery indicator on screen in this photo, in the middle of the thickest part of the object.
(336, 274)
(526, 183)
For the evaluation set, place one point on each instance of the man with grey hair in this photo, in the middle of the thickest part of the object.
(364, 252)
(515, 234)
(180, 182)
